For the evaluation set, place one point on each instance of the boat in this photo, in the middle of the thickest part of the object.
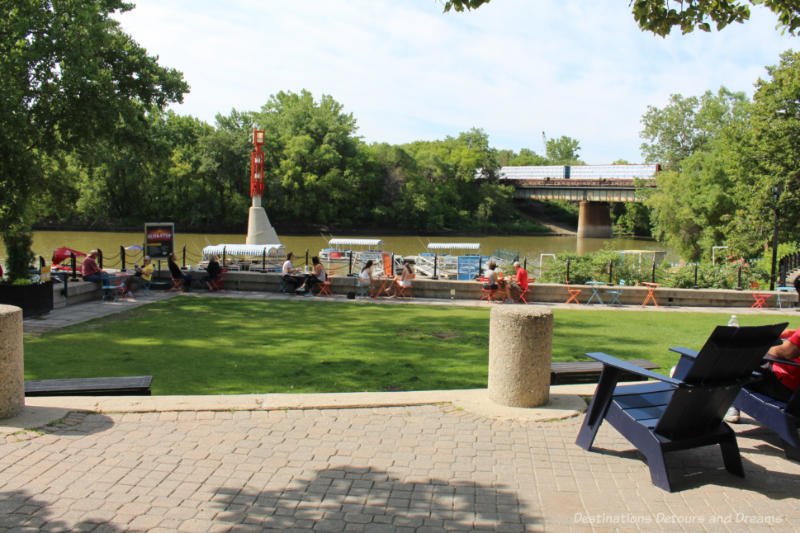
(258, 257)
(343, 256)
(439, 262)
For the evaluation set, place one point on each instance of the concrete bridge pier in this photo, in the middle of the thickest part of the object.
(594, 220)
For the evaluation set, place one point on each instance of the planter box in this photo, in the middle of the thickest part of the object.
(34, 299)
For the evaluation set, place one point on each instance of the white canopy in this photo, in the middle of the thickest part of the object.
(254, 250)
(454, 246)
(356, 242)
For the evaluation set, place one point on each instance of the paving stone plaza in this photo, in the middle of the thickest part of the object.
(106, 465)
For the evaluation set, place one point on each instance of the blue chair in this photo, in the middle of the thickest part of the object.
(615, 294)
(685, 411)
(781, 417)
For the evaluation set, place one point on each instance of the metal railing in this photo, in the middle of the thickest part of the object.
(787, 264)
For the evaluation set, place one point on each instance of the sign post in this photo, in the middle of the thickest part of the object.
(159, 239)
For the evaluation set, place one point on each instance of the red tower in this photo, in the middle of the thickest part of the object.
(257, 165)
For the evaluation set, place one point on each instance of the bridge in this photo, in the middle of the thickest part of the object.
(595, 187)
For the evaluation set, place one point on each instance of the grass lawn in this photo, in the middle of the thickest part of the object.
(197, 345)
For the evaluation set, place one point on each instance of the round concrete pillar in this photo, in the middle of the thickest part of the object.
(12, 378)
(594, 220)
(520, 351)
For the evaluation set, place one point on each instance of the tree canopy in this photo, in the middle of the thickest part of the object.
(70, 76)
(662, 16)
(732, 166)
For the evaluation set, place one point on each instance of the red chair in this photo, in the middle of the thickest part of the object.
(404, 292)
(325, 287)
(523, 296)
(217, 283)
(573, 294)
(486, 294)
(177, 284)
(759, 297)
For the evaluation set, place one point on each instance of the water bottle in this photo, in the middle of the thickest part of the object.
(733, 322)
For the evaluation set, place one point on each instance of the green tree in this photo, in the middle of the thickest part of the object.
(221, 193)
(658, 17)
(687, 125)
(525, 157)
(69, 75)
(563, 151)
(314, 168)
(691, 208)
(769, 162)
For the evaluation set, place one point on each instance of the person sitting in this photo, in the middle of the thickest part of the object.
(778, 381)
(213, 271)
(318, 274)
(365, 278)
(90, 271)
(288, 271)
(178, 274)
(402, 281)
(520, 280)
(147, 271)
(496, 281)
(141, 278)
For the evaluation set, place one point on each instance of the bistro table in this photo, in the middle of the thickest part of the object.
(651, 289)
(595, 285)
(780, 290)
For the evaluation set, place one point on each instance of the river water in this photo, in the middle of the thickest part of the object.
(44, 242)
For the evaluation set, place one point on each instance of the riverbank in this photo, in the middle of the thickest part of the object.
(528, 247)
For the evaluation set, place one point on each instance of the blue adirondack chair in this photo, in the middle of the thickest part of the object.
(781, 417)
(684, 411)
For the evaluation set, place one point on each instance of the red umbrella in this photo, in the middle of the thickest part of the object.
(60, 254)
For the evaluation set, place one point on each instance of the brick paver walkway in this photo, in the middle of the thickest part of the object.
(422, 469)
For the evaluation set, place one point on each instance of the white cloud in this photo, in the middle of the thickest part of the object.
(407, 71)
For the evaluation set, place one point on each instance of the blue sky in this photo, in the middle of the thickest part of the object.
(407, 71)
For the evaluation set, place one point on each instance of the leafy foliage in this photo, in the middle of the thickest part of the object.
(658, 17)
(597, 265)
(69, 76)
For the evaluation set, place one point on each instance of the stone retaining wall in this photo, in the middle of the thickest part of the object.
(539, 292)
(80, 291)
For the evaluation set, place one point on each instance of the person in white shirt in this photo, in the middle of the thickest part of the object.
(287, 271)
(365, 278)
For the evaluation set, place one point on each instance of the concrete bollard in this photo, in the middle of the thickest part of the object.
(12, 377)
(520, 351)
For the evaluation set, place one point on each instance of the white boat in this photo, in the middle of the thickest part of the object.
(440, 262)
(247, 256)
(337, 257)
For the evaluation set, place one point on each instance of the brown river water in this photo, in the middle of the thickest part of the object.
(530, 247)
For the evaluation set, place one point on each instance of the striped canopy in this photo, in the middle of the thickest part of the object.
(355, 242)
(253, 250)
(454, 246)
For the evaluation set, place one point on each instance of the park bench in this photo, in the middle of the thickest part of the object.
(115, 386)
(589, 371)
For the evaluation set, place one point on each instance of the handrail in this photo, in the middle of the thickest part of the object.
(786, 264)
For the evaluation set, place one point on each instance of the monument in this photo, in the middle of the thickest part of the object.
(259, 230)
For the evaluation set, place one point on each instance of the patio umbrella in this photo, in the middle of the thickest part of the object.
(60, 254)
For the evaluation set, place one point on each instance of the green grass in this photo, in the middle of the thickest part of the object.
(227, 346)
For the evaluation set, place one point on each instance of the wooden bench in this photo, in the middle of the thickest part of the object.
(120, 386)
(589, 371)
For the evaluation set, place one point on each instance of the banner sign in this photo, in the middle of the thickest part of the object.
(159, 238)
(468, 267)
